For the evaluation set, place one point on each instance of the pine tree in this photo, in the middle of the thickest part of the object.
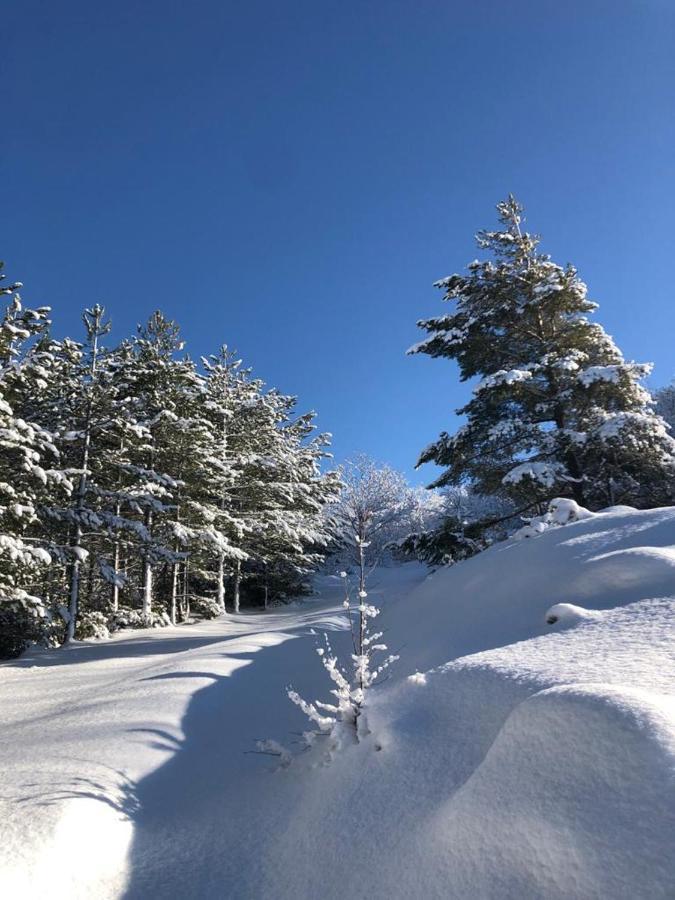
(557, 410)
(157, 383)
(129, 478)
(228, 391)
(280, 493)
(665, 404)
(30, 473)
(89, 419)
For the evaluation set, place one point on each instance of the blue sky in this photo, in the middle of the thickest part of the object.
(289, 178)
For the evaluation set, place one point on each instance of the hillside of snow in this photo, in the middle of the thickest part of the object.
(522, 759)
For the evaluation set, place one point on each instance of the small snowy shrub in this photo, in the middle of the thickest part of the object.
(136, 618)
(16, 627)
(21, 626)
(205, 608)
(342, 721)
(92, 625)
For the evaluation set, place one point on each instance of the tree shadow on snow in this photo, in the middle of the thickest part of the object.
(204, 815)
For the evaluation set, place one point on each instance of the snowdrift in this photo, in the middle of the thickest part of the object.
(543, 768)
(502, 595)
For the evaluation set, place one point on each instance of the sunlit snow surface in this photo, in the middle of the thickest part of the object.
(523, 759)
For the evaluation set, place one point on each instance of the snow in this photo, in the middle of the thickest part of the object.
(507, 756)
(540, 472)
(593, 374)
(502, 377)
(618, 424)
(561, 511)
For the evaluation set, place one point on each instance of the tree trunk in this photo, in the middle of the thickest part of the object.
(221, 582)
(115, 592)
(147, 586)
(237, 583)
(186, 594)
(174, 591)
(571, 460)
(577, 484)
(362, 591)
(74, 593)
(147, 571)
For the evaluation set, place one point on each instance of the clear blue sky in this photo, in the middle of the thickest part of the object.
(291, 177)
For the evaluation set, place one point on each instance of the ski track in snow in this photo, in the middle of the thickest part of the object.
(540, 762)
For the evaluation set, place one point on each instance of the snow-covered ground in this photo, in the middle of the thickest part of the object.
(534, 760)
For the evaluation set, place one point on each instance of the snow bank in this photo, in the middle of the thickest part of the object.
(502, 595)
(542, 767)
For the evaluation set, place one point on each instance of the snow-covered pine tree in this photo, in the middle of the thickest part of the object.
(30, 474)
(156, 382)
(294, 533)
(89, 418)
(279, 494)
(665, 404)
(206, 528)
(557, 410)
(74, 414)
(228, 391)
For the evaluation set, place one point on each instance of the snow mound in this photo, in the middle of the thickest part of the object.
(541, 764)
(502, 595)
(543, 769)
(569, 614)
(561, 511)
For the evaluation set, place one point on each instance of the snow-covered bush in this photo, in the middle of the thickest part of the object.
(92, 625)
(205, 607)
(125, 617)
(21, 626)
(17, 625)
(466, 523)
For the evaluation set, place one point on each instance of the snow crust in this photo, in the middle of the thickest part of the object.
(508, 756)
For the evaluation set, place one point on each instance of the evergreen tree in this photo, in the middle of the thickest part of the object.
(158, 384)
(89, 418)
(280, 493)
(29, 473)
(228, 392)
(665, 404)
(131, 483)
(557, 410)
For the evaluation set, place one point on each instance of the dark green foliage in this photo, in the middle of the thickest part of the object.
(445, 545)
(135, 483)
(557, 410)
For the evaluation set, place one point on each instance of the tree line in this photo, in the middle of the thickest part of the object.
(137, 485)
